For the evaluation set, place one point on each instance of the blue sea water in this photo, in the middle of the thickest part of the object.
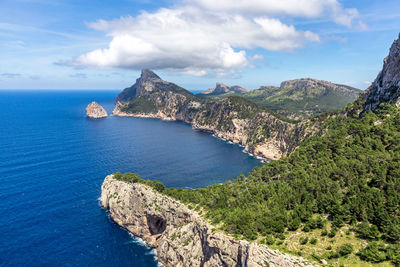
(52, 163)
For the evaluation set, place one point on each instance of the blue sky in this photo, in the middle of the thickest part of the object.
(61, 44)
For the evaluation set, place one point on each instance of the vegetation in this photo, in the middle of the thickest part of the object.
(135, 178)
(139, 104)
(298, 102)
(336, 197)
(347, 174)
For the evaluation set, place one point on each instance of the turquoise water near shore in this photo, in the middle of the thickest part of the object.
(52, 163)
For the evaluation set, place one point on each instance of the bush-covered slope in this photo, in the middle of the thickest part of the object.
(347, 175)
(298, 99)
(304, 97)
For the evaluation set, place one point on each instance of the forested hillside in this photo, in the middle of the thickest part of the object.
(343, 179)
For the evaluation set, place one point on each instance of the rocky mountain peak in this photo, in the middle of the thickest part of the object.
(146, 84)
(386, 87)
(221, 88)
(148, 75)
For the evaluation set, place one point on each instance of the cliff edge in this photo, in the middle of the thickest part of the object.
(386, 87)
(180, 236)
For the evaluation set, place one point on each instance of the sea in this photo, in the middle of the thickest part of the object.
(53, 161)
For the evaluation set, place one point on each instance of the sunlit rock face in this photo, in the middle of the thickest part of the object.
(95, 111)
(386, 87)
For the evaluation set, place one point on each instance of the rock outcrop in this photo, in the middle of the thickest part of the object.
(180, 236)
(95, 111)
(386, 87)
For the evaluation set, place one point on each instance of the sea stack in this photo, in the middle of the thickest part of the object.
(95, 111)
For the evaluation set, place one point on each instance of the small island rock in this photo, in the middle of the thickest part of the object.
(95, 111)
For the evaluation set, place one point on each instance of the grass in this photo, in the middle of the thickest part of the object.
(315, 252)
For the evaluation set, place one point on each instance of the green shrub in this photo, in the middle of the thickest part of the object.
(269, 240)
(303, 240)
(345, 249)
(374, 252)
(313, 241)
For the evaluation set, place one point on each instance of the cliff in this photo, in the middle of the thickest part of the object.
(386, 87)
(95, 111)
(180, 236)
(233, 118)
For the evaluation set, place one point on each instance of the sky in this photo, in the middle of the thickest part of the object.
(103, 44)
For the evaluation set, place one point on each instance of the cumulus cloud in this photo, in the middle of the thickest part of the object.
(199, 37)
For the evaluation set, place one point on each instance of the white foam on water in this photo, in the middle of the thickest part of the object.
(151, 252)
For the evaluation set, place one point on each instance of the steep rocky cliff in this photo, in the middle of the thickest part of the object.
(233, 118)
(386, 87)
(95, 111)
(180, 236)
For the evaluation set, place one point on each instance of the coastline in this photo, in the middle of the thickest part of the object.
(264, 152)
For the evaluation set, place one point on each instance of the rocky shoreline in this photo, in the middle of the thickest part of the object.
(270, 149)
(180, 236)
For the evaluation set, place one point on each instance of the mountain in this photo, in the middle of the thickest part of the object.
(301, 98)
(223, 89)
(386, 87)
(233, 118)
(148, 83)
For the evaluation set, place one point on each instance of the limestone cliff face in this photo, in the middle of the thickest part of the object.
(95, 111)
(180, 236)
(233, 118)
(386, 87)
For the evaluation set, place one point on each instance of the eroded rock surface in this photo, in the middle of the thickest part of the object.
(95, 111)
(386, 87)
(180, 236)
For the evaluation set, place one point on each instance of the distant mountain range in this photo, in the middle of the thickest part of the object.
(296, 99)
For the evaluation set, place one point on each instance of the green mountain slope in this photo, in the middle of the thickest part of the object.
(298, 99)
(304, 97)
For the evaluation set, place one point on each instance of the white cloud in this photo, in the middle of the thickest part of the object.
(199, 37)
(190, 40)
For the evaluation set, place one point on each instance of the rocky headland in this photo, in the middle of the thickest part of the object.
(179, 235)
(234, 118)
(95, 111)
